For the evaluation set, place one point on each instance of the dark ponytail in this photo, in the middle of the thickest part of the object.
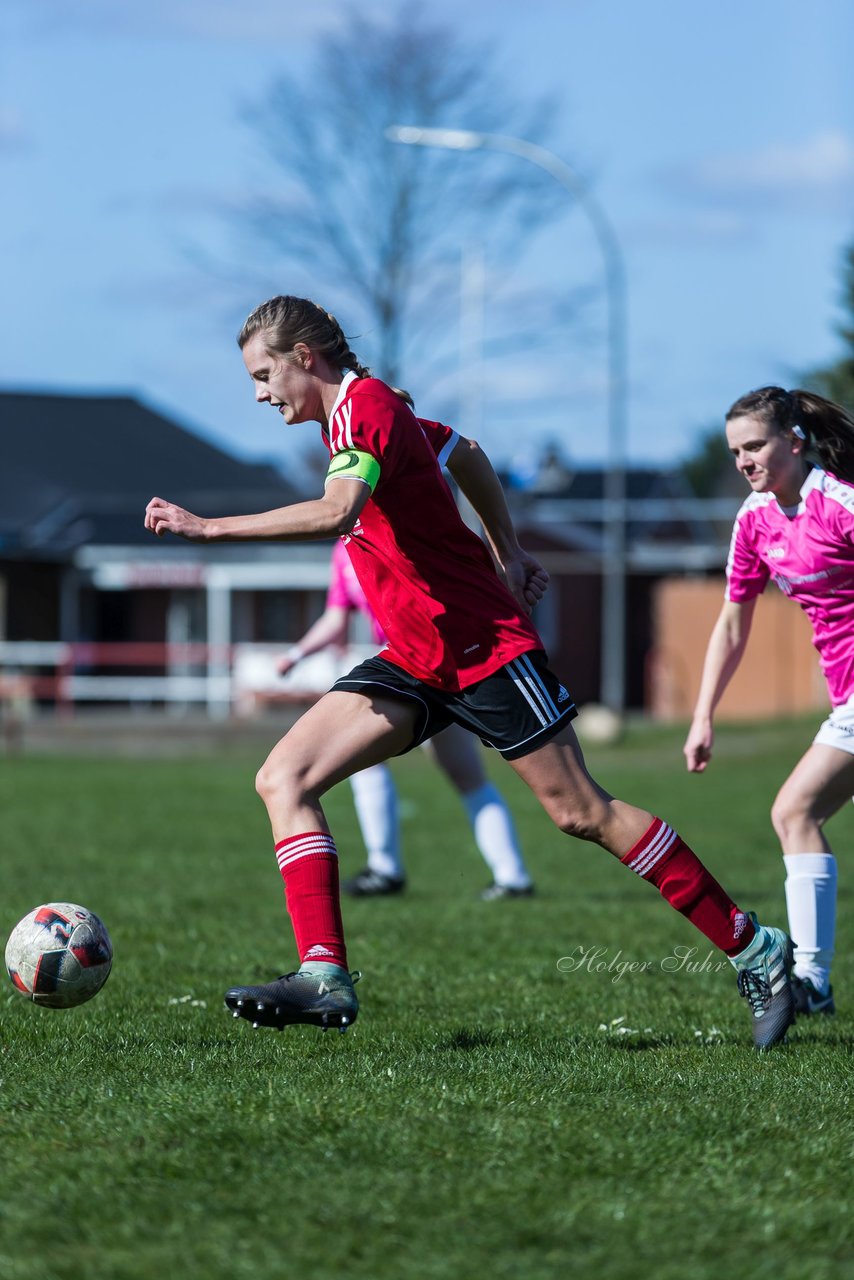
(825, 427)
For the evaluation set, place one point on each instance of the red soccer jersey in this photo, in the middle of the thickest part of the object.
(429, 579)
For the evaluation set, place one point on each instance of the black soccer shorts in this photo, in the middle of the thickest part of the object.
(515, 710)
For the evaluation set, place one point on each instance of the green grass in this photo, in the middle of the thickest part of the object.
(477, 1119)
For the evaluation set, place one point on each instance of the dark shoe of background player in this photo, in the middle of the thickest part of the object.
(494, 891)
(372, 884)
(809, 1000)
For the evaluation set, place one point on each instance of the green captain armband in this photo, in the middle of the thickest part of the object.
(353, 464)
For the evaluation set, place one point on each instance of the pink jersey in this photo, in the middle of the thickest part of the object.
(345, 591)
(808, 550)
(428, 578)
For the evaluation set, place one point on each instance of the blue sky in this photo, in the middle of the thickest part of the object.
(718, 138)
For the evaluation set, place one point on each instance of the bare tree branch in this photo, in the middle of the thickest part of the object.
(383, 222)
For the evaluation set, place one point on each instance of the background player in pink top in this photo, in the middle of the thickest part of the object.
(797, 528)
(461, 649)
(374, 792)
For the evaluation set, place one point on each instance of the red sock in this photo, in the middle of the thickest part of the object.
(663, 858)
(309, 867)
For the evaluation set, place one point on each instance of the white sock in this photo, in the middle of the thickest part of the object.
(811, 903)
(375, 797)
(495, 836)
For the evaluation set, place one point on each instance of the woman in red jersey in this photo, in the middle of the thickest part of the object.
(461, 649)
(374, 792)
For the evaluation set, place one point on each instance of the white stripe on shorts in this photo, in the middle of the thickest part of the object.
(532, 689)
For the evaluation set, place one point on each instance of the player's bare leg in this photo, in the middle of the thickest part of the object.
(819, 785)
(341, 734)
(575, 802)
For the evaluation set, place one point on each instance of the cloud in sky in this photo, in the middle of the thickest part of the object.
(13, 132)
(196, 19)
(815, 174)
(695, 229)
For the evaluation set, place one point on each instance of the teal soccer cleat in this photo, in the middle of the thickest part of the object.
(763, 980)
(321, 994)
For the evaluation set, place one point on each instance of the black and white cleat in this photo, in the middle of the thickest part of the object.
(323, 1000)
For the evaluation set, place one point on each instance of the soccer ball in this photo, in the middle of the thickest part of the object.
(59, 955)
(599, 725)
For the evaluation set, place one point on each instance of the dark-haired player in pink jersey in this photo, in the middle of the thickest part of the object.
(796, 451)
(461, 649)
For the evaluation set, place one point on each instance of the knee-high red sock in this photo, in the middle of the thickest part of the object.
(309, 867)
(662, 857)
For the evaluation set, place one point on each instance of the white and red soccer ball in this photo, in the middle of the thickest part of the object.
(59, 955)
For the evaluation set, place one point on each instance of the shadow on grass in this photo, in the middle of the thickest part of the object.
(467, 1038)
(820, 1035)
(638, 1044)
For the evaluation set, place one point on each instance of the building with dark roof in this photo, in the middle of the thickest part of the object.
(77, 565)
(80, 468)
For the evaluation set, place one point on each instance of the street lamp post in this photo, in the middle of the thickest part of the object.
(613, 693)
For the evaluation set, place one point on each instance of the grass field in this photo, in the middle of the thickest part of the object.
(493, 1112)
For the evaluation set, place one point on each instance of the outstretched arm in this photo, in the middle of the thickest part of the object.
(524, 576)
(726, 646)
(333, 514)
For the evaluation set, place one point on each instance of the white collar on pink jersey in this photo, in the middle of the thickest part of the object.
(812, 480)
(349, 377)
